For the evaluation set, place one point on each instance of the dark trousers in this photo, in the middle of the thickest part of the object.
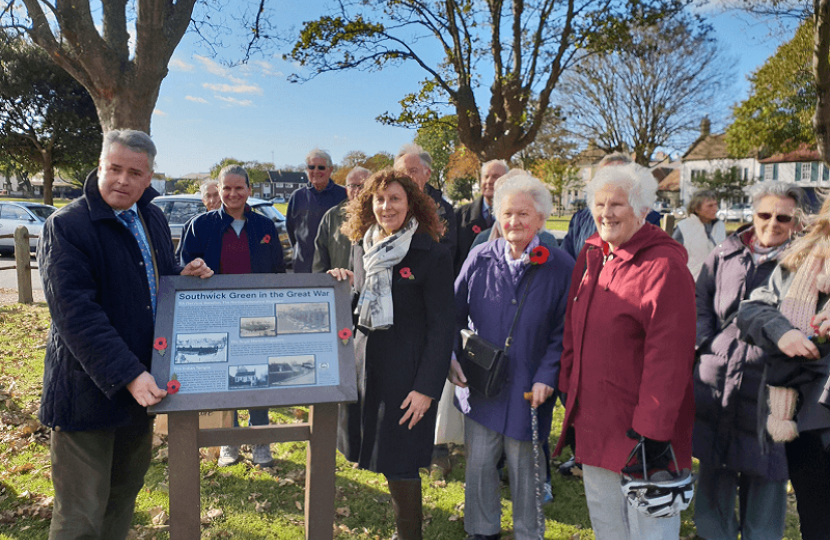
(97, 476)
(809, 465)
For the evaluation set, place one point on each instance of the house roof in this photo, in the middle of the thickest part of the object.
(671, 182)
(803, 153)
(287, 176)
(707, 147)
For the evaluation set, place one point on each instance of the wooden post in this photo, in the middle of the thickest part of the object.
(23, 262)
(183, 463)
(320, 472)
(668, 223)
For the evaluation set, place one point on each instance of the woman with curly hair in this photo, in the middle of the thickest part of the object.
(403, 281)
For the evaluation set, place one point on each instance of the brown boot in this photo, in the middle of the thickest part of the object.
(406, 501)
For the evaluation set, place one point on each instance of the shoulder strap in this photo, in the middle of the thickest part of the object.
(509, 340)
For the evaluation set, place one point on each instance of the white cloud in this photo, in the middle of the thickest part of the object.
(234, 89)
(196, 99)
(159, 112)
(234, 101)
(179, 65)
(216, 68)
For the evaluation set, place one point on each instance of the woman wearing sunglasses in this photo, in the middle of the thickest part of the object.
(729, 375)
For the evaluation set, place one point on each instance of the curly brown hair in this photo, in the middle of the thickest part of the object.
(361, 215)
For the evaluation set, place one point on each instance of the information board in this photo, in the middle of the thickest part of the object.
(253, 340)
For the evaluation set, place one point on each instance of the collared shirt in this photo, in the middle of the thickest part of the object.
(487, 211)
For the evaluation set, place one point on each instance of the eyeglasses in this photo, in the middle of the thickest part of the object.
(780, 218)
(318, 167)
(354, 186)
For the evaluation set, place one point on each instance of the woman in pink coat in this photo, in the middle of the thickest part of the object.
(628, 353)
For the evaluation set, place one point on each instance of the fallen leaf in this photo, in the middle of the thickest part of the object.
(298, 504)
(345, 512)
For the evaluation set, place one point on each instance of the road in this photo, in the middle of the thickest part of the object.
(8, 278)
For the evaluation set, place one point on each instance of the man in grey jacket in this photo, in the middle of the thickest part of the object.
(332, 249)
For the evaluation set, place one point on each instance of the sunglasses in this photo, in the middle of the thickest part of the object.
(318, 167)
(354, 186)
(780, 218)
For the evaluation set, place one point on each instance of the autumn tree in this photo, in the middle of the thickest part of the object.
(649, 92)
(47, 119)
(462, 174)
(527, 44)
(552, 141)
(257, 171)
(777, 116)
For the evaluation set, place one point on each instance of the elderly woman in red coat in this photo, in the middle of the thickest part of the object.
(628, 353)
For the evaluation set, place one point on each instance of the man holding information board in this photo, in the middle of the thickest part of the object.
(100, 259)
(236, 240)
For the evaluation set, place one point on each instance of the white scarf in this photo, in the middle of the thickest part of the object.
(374, 308)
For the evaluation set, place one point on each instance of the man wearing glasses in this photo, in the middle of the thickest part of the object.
(307, 206)
(331, 248)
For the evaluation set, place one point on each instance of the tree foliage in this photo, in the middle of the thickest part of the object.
(47, 119)
(560, 177)
(526, 44)
(728, 183)
(777, 115)
(257, 171)
(440, 139)
(462, 173)
(649, 92)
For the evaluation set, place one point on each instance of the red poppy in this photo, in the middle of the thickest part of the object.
(266, 239)
(406, 273)
(173, 386)
(160, 344)
(345, 333)
(476, 229)
(539, 255)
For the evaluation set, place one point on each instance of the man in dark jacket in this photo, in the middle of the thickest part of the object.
(417, 164)
(307, 206)
(478, 215)
(236, 240)
(100, 258)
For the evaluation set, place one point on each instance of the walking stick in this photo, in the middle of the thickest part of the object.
(537, 466)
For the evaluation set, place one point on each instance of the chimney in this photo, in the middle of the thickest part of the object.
(705, 126)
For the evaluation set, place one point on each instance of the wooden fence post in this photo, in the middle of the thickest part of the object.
(23, 262)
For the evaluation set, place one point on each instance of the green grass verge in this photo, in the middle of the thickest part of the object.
(240, 502)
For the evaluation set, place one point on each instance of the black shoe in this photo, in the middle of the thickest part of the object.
(566, 469)
(484, 536)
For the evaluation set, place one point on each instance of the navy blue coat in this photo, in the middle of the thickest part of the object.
(101, 336)
(306, 208)
(728, 376)
(203, 234)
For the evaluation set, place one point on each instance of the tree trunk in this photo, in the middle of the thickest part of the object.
(821, 70)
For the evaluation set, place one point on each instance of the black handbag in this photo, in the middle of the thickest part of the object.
(482, 362)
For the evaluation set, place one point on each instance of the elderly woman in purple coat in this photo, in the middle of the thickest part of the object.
(488, 291)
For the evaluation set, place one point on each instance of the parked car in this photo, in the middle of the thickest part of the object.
(279, 199)
(30, 215)
(736, 212)
(180, 208)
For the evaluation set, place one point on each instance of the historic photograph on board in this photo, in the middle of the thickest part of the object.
(257, 327)
(291, 370)
(201, 348)
(247, 377)
(311, 318)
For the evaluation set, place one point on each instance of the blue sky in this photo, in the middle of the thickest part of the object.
(207, 111)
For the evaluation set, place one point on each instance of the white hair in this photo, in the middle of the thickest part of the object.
(359, 171)
(523, 183)
(317, 153)
(206, 184)
(412, 148)
(134, 141)
(500, 162)
(635, 180)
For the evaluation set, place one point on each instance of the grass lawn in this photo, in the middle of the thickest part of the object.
(240, 502)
